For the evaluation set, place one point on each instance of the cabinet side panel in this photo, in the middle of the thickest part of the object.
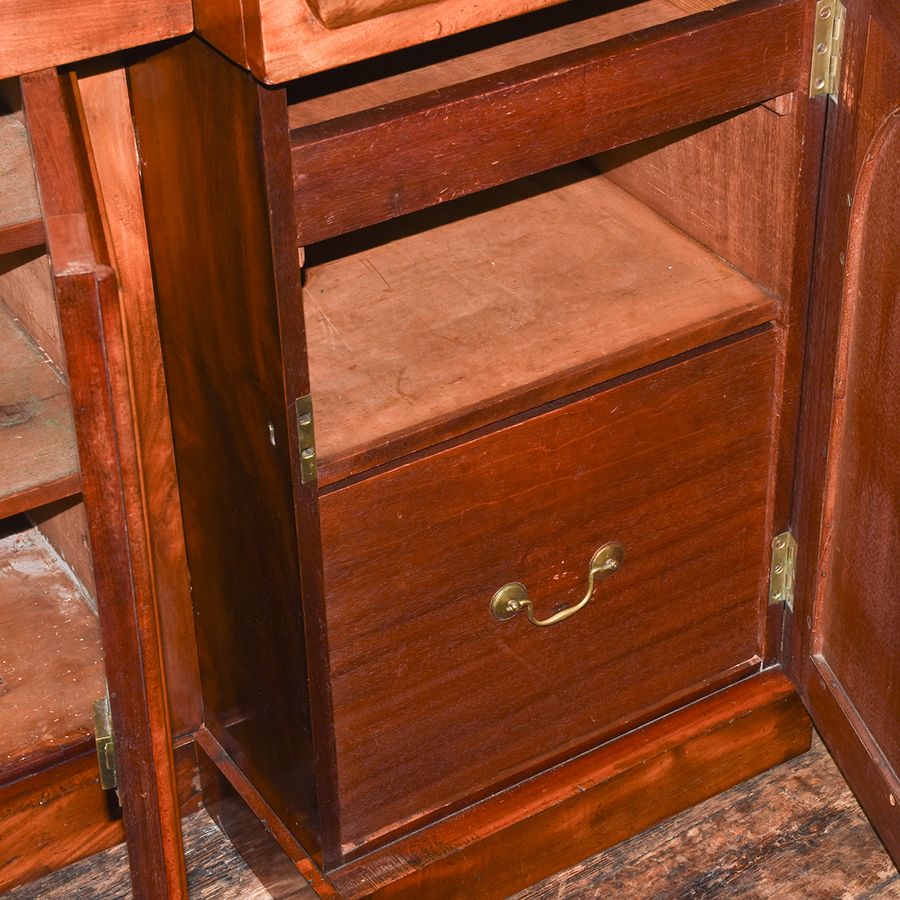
(202, 144)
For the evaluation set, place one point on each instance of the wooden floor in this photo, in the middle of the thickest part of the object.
(795, 832)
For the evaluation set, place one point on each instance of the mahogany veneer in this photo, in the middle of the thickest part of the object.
(404, 155)
(495, 380)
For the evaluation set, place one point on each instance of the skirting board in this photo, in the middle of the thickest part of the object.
(547, 823)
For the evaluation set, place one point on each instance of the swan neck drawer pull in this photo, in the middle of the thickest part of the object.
(512, 598)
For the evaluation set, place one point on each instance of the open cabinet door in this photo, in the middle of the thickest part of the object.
(97, 365)
(844, 647)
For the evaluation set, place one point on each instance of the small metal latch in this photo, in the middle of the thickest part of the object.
(784, 565)
(106, 745)
(307, 436)
(828, 42)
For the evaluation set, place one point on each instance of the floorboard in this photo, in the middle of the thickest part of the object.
(795, 832)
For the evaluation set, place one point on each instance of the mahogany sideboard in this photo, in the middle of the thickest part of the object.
(534, 403)
(533, 385)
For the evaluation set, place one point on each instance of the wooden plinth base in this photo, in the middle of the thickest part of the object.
(545, 824)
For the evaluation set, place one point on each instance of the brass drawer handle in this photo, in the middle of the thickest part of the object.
(512, 598)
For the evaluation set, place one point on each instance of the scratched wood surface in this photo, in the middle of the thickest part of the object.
(795, 832)
(51, 662)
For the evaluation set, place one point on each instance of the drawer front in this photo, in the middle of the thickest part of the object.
(436, 700)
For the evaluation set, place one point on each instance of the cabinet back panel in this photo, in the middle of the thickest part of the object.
(434, 700)
(733, 184)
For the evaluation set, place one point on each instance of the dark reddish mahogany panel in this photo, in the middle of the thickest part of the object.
(860, 620)
(434, 700)
(846, 638)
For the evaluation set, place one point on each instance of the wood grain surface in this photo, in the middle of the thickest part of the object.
(18, 190)
(26, 290)
(846, 494)
(55, 817)
(60, 814)
(397, 157)
(86, 294)
(51, 661)
(233, 369)
(434, 700)
(65, 526)
(38, 453)
(473, 54)
(37, 35)
(426, 328)
(103, 91)
(795, 831)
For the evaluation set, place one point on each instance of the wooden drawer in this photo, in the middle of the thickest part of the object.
(282, 40)
(435, 701)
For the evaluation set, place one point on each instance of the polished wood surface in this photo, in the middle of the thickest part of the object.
(216, 165)
(283, 39)
(55, 817)
(436, 702)
(704, 181)
(395, 158)
(95, 355)
(515, 838)
(794, 831)
(38, 455)
(60, 814)
(103, 91)
(37, 35)
(846, 627)
(52, 662)
(473, 54)
(437, 324)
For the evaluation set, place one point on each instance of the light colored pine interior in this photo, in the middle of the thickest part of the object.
(38, 454)
(51, 663)
(560, 278)
(483, 52)
(18, 190)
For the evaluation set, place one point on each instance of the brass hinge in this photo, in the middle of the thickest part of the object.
(106, 744)
(828, 42)
(784, 567)
(307, 436)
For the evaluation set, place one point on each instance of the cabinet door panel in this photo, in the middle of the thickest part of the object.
(849, 662)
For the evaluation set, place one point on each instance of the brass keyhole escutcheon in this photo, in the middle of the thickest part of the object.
(512, 598)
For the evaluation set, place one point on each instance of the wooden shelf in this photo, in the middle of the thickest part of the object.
(38, 454)
(20, 213)
(432, 325)
(362, 154)
(51, 662)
